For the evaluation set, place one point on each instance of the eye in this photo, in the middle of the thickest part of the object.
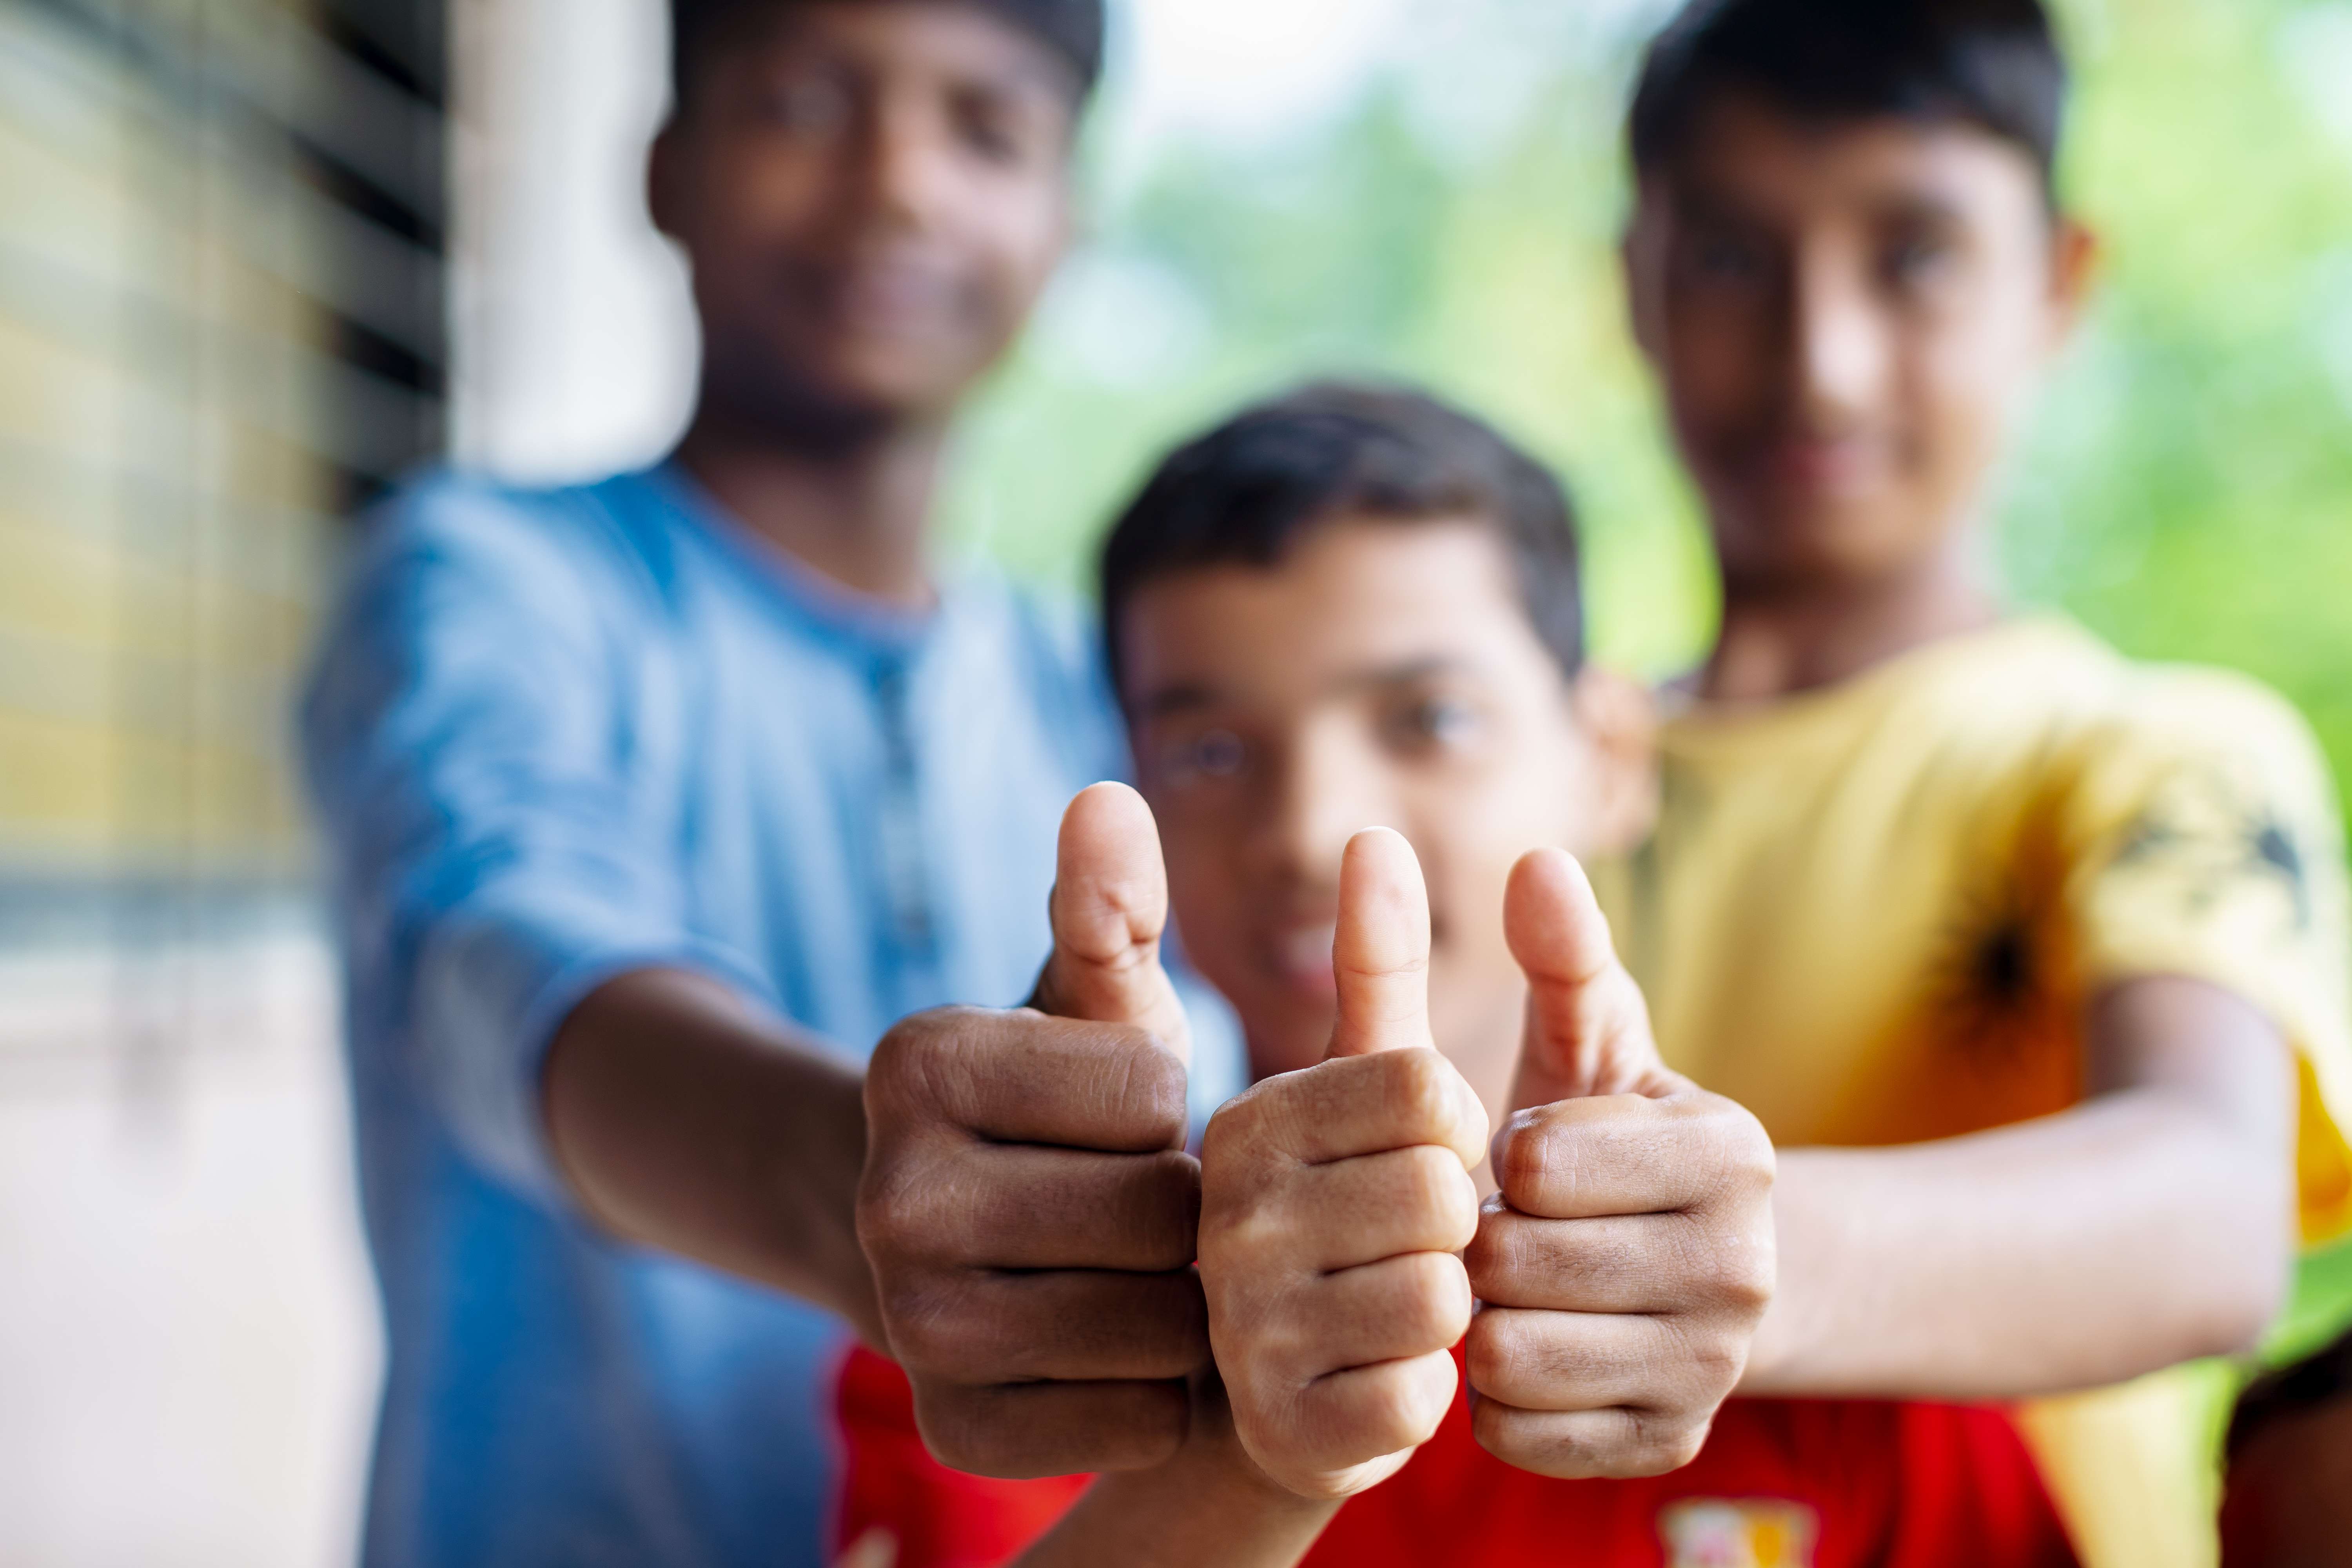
(1918, 262)
(807, 103)
(1214, 755)
(1005, 128)
(993, 134)
(1725, 258)
(1444, 723)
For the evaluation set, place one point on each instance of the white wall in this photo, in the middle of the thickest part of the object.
(573, 341)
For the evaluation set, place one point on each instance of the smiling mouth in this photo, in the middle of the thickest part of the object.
(890, 296)
(1826, 466)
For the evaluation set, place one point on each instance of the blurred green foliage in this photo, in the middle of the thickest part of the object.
(2184, 488)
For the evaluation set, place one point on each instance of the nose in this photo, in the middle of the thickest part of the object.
(1838, 340)
(1323, 791)
(907, 162)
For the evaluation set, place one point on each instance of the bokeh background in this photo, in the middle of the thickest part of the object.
(259, 257)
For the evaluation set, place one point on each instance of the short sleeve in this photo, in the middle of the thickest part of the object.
(478, 751)
(2205, 840)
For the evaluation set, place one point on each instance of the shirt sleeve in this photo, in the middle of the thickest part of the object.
(2206, 842)
(486, 778)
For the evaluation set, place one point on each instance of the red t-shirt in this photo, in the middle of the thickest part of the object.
(1780, 1484)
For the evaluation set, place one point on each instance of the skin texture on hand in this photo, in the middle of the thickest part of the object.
(1628, 1257)
(1028, 1206)
(1334, 1202)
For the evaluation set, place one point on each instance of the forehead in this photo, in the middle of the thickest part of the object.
(1354, 597)
(942, 38)
(1746, 157)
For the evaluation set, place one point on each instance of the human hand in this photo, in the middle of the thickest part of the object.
(1028, 1206)
(1335, 1201)
(1625, 1262)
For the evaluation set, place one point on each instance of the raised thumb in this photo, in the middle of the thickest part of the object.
(1109, 908)
(1380, 952)
(1588, 1027)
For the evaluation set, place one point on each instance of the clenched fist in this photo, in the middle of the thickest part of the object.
(1028, 1206)
(1334, 1203)
(1628, 1257)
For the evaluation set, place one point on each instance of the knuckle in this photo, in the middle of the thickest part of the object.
(930, 1335)
(1394, 1418)
(1738, 1146)
(1495, 1352)
(1527, 1157)
(1495, 1258)
(1749, 1286)
(1661, 1444)
(1421, 1088)
(1712, 1361)
(1149, 1081)
(1437, 1305)
(1235, 1131)
(1438, 1192)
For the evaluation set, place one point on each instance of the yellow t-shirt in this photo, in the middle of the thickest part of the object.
(1875, 914)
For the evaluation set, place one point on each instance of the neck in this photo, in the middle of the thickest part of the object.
(855, 507)
(1780, 638)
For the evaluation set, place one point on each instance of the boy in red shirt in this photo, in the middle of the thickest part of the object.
(1353, 606)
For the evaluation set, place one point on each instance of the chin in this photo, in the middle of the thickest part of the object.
(893, 385)
(1825, 541)
(1282, 1036)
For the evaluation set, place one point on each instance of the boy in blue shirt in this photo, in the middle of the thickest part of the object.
(654, 802)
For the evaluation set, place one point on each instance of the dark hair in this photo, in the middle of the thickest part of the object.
(1072, 28)
(1247, 492)
(2319, 1380)
(1993, 64)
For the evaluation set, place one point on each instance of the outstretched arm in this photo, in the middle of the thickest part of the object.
(689, 1120)
(2150, 1225)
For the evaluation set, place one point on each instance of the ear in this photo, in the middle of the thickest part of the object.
(1642, 255)
(2076, 256)
(1619, 720)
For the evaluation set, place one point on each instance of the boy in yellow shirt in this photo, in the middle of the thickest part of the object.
(2031, 959)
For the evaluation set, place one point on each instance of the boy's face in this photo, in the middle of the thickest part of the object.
(1384, 674)
(872, 195)
(1846, 315)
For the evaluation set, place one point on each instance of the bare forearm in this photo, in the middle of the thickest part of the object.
(2079, 1250)
(1207, 1507)
(688, 1121)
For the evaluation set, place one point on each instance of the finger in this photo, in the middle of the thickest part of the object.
(1061, 1325)
(1380, 952)
(1367, 1413)
(1353, 1106)
(1618, 1444)
(1580, 1159)
(1588, 1029)
(1027, 1430)
(1409, 1200)
(1392, 1310)
(1596, 1361)
(1023, 1078)
(1632, 1263)
(1018, 1205)
(1109, 908)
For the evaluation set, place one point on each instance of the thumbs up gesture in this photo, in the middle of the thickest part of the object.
(1028, 1207)
(1335, 1201)
(1628, 1257)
